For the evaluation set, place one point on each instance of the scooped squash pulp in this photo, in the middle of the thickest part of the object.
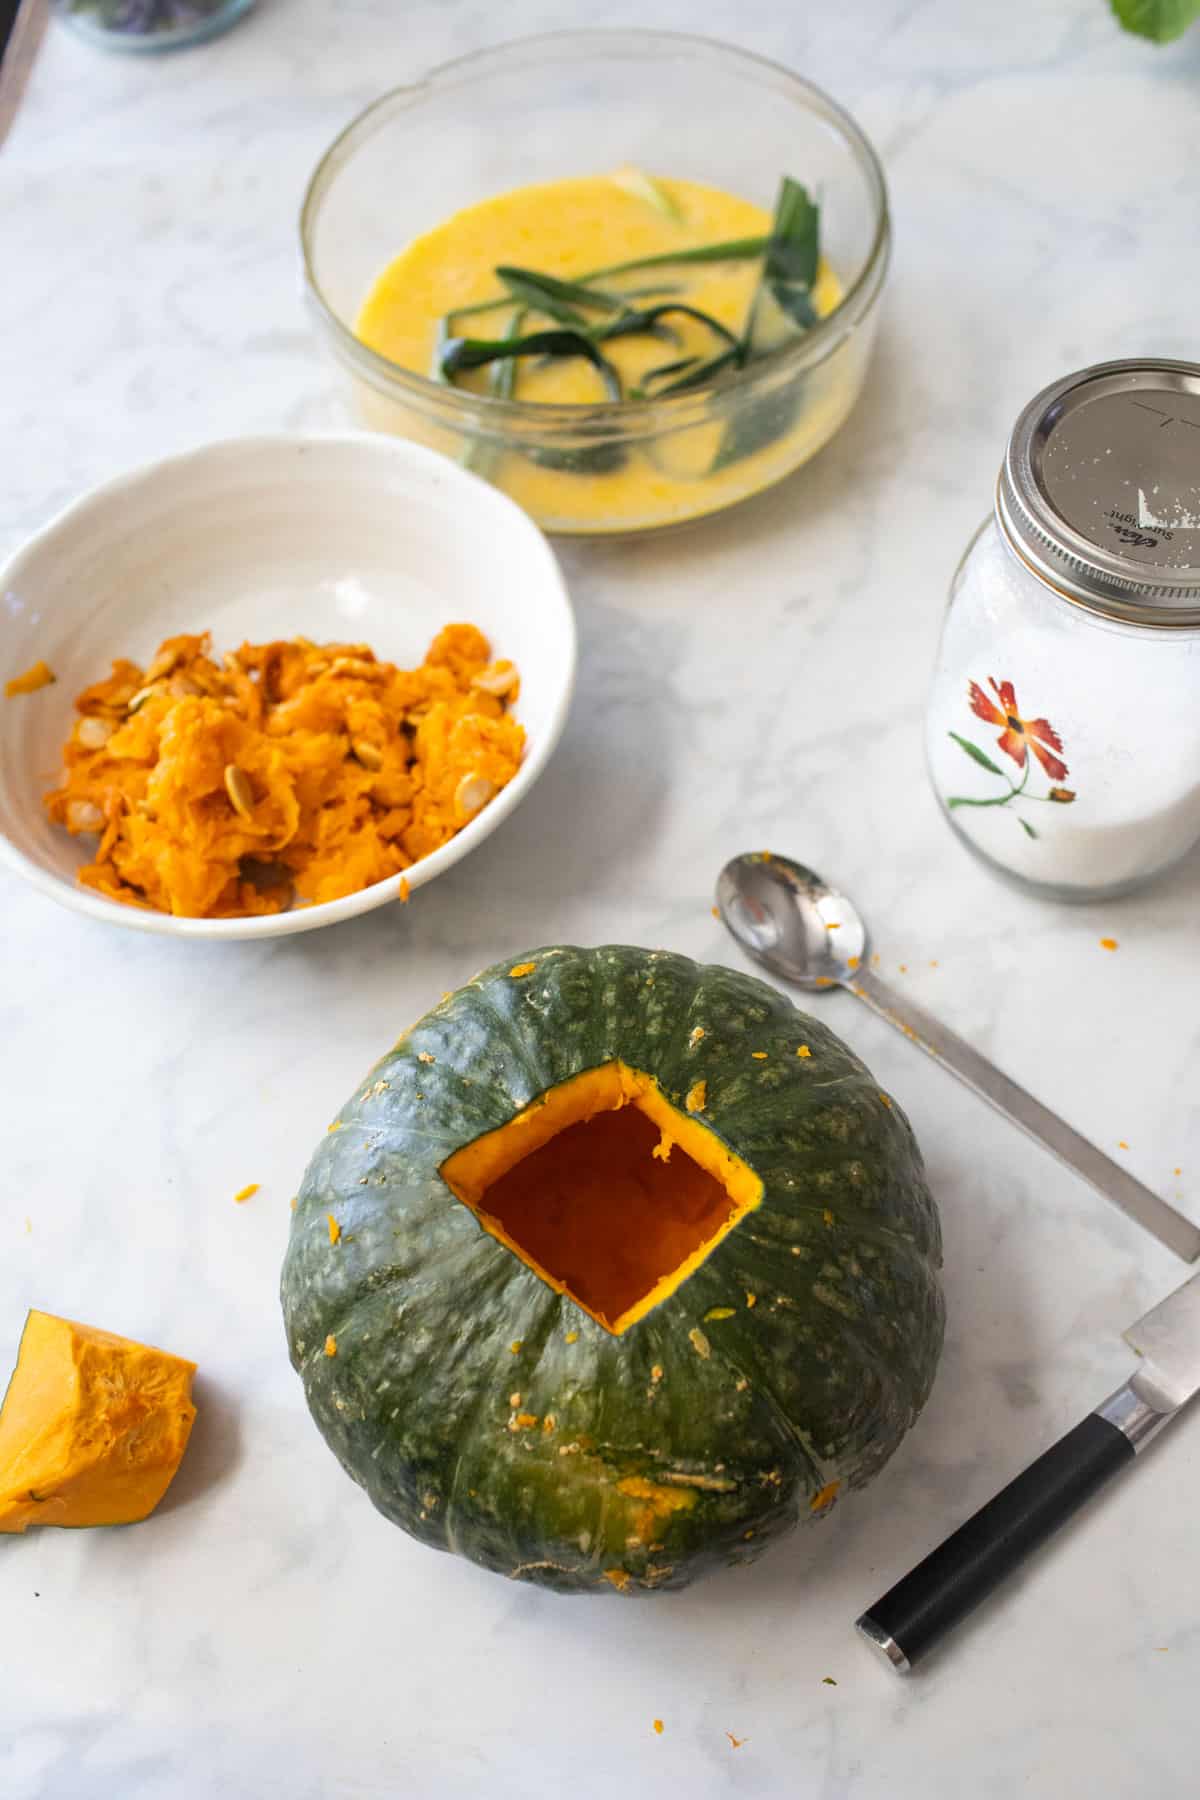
(92, 1429)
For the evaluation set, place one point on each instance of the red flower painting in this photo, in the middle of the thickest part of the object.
(1018, 737)
(1019, 733)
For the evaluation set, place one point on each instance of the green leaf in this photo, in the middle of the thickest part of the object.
(976, 755)
(661, 373)
(587, 459)
(1160, 20)
(704, 375)
(458, 354)
(782, 306)
(547, 293)
(647, 319)
(483, 455)
(732, 250)
(794, 253)
(1026, 827)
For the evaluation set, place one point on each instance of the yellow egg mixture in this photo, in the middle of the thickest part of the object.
(570, 229)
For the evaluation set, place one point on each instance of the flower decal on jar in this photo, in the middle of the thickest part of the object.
(1022, 740)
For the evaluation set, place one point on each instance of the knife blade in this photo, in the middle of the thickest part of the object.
(22, 23)
(915, 1615)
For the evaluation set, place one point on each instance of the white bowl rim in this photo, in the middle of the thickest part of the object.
(380, 893)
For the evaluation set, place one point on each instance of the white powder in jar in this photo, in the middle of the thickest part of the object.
(1123, 700)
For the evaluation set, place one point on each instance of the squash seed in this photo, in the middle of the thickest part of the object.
(92, 732)
(498, 678)
(241, 794)
(138, 700)
(472, 794)
(84, 815)
(162, 665)
(368, 754)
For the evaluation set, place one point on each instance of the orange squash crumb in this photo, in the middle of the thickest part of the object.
(404, 891)
(658, 1726)
(335, 1230)
(572, 1337)
(1121, 1144)
(331, 1345)
(248, 1192)
(696, 1096)
(283, 773)
(620, 1578)
(515, 1346)
(825, 1497)
(38, 675)
(1108, 943)
(759, 1055)
(520, 969)
(715, 911)
(804, 1050)
(736, 1742)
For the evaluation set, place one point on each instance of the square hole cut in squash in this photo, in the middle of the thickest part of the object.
(607, 1191)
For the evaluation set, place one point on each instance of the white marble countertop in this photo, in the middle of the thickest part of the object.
(757, 681)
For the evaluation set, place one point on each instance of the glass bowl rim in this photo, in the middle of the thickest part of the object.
(470, 409)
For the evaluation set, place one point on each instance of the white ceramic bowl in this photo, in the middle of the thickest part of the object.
(358, 536)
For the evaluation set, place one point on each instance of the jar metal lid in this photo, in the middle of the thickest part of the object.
(1100, 490)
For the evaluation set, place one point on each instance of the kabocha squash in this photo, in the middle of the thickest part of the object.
(92, 1429)
(634, 1266)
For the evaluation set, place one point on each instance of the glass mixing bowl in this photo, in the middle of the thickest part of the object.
(577, 103)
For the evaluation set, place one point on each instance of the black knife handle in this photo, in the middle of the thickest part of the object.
(954, 1578)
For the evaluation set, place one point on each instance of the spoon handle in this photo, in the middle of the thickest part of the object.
(1107, 1177)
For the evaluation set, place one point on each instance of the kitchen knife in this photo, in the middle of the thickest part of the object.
(914, 1615)
(22, 23)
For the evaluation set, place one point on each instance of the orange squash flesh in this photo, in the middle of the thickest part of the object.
(287, 771)
(92, 1429)
(612, 1195)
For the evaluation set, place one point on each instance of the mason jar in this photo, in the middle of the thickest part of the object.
(1063, 729)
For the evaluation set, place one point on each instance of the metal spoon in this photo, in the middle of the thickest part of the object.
(805, 932)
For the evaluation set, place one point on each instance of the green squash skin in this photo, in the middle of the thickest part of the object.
(438, 1326)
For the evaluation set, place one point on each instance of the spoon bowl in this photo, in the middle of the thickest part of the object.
(790, 921)
(806, 933)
